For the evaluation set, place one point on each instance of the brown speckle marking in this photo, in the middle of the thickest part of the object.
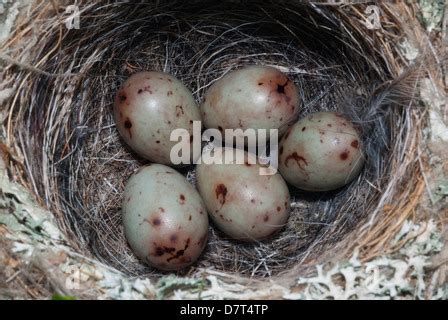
(158, 141)
(221, 193)
(128, 126)
(329, 125)
(182, 199)
(344, 155)
(303, 129)
(281, 87)
(159, 251)
(278, 209)
(122, 97)
(181, 252)
(169, 93)
(266, 218)
(260, 83)
(156, 222)
(179, 110)
(301, 161)
(355, 144)
(145, 89)
(189, 217)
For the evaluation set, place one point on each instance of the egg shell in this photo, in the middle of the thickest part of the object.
(164, 218)
(242, 203)
(148, 107)
(321, 152)
(256, 97)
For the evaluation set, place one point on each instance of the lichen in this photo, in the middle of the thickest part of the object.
(431, 13)
(9, 10)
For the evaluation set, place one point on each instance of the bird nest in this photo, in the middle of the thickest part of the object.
(60, 119)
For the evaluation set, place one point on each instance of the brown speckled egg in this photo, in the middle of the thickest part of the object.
(321, 152)
(242, 203)
(148, 107)
(164, 218)
(256, 97)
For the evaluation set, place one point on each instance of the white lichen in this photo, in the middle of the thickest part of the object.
(437, 104)
(432, 13)
(409, 51)
(9, 10)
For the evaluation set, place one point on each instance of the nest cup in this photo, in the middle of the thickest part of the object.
(77, 165)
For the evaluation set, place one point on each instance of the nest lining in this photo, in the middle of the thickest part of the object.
(77, 164)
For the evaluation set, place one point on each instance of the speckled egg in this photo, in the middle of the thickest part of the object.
(148, 107)
(321, 152)
(242, 203)
(164, 218)
(256, 97)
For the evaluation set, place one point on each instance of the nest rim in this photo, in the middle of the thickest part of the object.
(14, 127)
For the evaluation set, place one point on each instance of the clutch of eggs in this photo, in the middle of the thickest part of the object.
(148, 107)
(165, 218)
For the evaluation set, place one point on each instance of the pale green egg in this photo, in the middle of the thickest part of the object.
(164, 218)
(148, 107)
(242, 203)
(256, 97)
(321, 152)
